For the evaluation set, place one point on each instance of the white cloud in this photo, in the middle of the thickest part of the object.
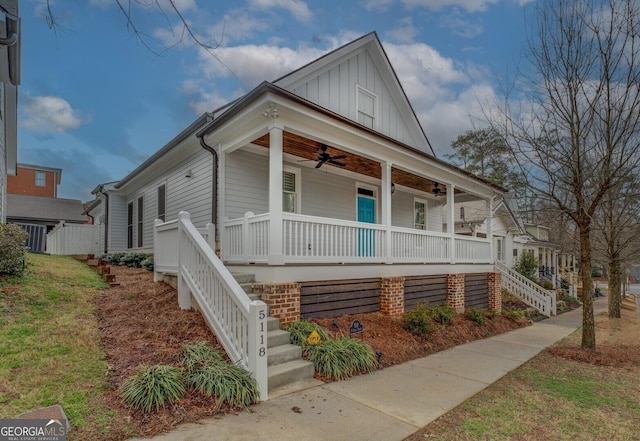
(468, 5)
(237, 25)
(405, 31)
(297, 8)
(51, 114)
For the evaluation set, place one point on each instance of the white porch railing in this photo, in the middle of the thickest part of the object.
(527, 291)
(239, 323)
(310, 239)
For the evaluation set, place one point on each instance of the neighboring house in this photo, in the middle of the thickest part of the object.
(9, 81)
(506, 229)
(323, 180)
(35, 180)
(32, 203)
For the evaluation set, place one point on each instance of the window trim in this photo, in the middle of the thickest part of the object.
(362, 90)
(161, 215)
(298, 191)
(426, 211)
(130, 225)
(501, 254)
(140, 222)
(40, 173)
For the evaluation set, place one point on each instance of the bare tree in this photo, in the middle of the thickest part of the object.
(578, 136)
(167, 12)
(617, 236)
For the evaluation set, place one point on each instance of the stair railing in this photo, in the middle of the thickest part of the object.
(239, 323)
(530, 293)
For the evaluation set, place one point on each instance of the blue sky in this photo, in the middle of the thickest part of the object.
(96, 101)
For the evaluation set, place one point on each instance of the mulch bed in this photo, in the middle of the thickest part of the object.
(141, 323)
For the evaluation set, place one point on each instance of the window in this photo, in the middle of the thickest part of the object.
(162, 202)
(462, 214)
(41, 179)
(366, 108)
(419, 214)
(140, 220)
(130, 225)
(515, 252)
(500, 249)
(291, 190)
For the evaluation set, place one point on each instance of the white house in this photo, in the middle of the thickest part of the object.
(329, 169)
(322, 187)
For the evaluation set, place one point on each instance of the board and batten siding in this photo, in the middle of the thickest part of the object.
(336, 90)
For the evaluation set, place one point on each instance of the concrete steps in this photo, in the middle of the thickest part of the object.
(287, 372)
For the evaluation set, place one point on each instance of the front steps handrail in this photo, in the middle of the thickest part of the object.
(530, 293)
(239, 323)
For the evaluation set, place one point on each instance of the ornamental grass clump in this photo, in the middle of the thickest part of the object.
(208, 372)
(301, 330)
(342, 358)
(152, 387)
(229, 383)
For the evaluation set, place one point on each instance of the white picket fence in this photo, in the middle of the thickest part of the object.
(238, 322)
(71, 239)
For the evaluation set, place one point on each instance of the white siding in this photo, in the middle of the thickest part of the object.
(117, 222)
(335, 89)
(327, 195)
(402, 206)
(247, 184)
(192, 194)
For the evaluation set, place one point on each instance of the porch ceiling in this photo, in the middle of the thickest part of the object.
(308, 149)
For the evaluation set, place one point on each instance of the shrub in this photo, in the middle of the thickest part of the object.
(547, 285)
(514, 314)
(151, 387)
(12, 249)
(342, 358)
(425, 318)
(301, 330)
(475, 315)
(132, 260)
(229, 383)
(527, 266)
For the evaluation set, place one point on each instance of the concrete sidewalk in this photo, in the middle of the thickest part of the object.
(392, 403)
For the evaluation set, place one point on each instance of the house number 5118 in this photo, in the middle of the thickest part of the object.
(262, 351)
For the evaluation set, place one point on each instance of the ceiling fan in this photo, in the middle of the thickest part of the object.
(323, 157)
(437, 190)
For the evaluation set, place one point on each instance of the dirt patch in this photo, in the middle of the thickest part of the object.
(617, 343)
(141, 323)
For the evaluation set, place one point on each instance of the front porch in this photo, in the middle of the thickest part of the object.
(301, 239)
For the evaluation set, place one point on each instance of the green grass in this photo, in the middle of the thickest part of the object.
(548, 398)
(50, 351)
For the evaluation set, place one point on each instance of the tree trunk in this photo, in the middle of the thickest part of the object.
(588, 323)
(614, 295)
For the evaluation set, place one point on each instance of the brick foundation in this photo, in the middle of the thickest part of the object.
(455, 288)
(392, 296)
(495, 292)
(283, 300)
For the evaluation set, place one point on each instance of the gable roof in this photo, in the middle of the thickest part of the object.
(345, 55)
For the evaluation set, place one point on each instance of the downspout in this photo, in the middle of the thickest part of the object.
(106, 218)
(214, 181)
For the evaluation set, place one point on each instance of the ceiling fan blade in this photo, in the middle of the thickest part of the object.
(319, 164)
(339, 157)
(340, 164)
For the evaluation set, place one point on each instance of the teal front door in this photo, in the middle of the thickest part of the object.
(366, 236)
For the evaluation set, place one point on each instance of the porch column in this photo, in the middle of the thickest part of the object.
(275, 196)
(386, 209)
(489, 223)
(451, 222)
